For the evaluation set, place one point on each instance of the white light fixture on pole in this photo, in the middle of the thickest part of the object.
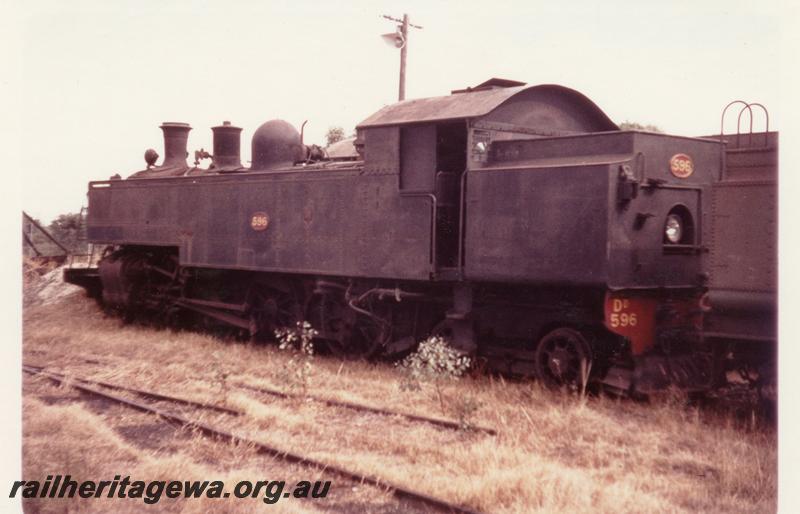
(399, 39)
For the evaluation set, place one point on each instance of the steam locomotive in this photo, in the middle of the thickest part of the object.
(518, 221)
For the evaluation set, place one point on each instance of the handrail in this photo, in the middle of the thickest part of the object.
(739, 125)
(766, 117)
(461, 212)
(722, 118)
(749, 108)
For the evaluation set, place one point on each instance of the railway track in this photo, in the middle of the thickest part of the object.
(365, 408)
(141, 392)
(95, 388)
(444, 423)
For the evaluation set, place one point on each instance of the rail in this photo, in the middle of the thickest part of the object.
(364, 408)
(85, 386)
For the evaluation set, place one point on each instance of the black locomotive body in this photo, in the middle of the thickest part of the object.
(743, 259)
(519, 221)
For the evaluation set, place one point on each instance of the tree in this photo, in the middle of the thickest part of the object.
(66, 223)
(69, 229)
(334, 135)
(632, 125)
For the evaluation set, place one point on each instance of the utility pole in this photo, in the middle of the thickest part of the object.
(399, 40)
(403, 52)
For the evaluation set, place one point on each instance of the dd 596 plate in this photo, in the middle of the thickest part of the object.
(681, 165)
(259, 221)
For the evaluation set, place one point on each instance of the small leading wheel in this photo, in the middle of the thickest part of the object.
(563, 359)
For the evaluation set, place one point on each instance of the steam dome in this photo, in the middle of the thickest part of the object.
(276, 143)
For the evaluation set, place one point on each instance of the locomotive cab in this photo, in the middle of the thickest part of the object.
(433, 158)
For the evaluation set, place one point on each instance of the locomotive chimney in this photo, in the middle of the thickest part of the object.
(226, 146)
(176, 136)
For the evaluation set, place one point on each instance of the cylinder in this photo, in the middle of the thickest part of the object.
(176, 135)
(226, 146)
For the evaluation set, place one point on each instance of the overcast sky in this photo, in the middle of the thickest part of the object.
(97, 77)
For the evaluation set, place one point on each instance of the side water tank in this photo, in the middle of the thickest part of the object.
(276, 143)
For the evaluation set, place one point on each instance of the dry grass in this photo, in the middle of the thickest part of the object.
(554, 452)
(86, 447)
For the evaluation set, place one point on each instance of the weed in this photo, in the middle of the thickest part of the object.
(434, 364)
(220, 374)
(296, 375)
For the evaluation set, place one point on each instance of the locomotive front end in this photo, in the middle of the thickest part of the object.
(658, 244)
(610, 229)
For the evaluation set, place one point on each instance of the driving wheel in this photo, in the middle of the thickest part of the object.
(563, 359)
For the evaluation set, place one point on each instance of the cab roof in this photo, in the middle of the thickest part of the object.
(545, 101)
